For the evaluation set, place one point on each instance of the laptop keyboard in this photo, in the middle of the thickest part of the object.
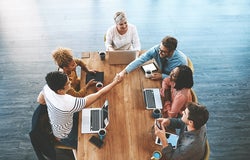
(150, 100)
(95, 120)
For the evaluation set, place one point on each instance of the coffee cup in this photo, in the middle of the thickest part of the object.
(156, 113)
(102, 55)
(156, 155)
(99, 86)
(148, 73)
(102, 133)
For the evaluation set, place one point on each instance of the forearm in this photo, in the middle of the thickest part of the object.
(93, 97)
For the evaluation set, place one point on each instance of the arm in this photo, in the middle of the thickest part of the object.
(83, 91)
(40, 98)
(93, 97)
(109, 40)
(178, 103)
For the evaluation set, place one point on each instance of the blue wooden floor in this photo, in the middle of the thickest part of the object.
(214, 34)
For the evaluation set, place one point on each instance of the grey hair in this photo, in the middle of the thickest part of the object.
(119, 16)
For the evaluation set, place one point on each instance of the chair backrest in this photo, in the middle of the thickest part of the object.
(207, 152)
(190, 64)
(194, 96)
(41, 136)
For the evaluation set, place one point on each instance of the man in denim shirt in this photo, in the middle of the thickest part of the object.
(166, 56)
(192, 137)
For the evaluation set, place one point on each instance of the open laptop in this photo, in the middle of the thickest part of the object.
(121, 56)
(152, 98)
(93, 119)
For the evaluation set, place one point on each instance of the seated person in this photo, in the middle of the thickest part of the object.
(67, 64)
(166, 56)
(63, 108)
(192, 137)
(122, 35)
(176, 90)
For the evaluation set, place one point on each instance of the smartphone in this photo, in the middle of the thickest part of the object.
(158, 124)
(96, 141)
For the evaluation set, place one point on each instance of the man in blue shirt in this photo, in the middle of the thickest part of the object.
(165, 55)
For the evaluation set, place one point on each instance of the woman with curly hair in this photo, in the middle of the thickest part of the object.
(67, 64)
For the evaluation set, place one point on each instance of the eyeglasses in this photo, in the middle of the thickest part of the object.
(161, 51)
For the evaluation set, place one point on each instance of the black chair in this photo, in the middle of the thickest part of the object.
(42, 138)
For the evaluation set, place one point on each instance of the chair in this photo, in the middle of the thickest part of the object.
(42, 139)
(194, 96)
(207, 151)
(190, 64)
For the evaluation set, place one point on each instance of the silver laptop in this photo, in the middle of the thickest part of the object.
(152, 98)
(93, 119)
(121, 56)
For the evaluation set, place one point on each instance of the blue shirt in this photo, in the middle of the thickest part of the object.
(178, 58)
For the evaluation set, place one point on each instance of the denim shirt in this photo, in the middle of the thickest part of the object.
(178, 58)
(191, 144)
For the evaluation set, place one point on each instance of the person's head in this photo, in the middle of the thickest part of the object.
(57, 81)
(167, 46)
(121, 22)
(195, 115)
(182, 76)
(64, 58)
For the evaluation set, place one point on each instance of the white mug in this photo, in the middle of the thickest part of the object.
(148, 73)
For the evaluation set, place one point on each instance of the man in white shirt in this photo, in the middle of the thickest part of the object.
(63, 108)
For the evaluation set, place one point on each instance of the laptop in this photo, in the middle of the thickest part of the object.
(93, 119)
(152, 98)
(121, 56)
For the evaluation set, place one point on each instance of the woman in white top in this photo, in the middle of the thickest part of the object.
(122, 35)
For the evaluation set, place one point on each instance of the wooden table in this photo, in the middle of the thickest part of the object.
(129, 133)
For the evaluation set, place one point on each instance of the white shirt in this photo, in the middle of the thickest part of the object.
(60, 110)
(128, 41)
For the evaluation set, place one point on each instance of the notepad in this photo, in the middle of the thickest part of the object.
(151, 66)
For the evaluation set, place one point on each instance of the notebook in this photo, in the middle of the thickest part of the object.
(98, 76)
(93, 119)
(172, 138)
(152, 98)
(121, 56)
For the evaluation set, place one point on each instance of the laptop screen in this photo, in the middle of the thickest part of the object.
(105, 115)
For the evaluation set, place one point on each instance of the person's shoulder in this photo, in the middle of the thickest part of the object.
(111, 28)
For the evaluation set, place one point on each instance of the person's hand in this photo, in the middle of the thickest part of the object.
(90, 83)
(92, 71)
(162, 92)
(156, 76)
(160, 132)
(117, 78)
(122, 73)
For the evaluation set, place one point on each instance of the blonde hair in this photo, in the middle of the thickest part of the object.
(119, 16)
(62, 56)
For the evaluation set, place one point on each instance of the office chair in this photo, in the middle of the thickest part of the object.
(190, 64)
(207, 152)
(43, 141)
(194, 96)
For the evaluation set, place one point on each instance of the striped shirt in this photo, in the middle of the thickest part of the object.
(60, 110)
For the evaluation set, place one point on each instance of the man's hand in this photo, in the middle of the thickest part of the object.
(156, 76)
